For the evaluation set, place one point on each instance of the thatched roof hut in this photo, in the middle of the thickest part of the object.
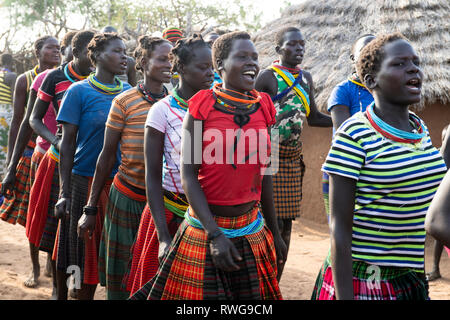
(331, 26)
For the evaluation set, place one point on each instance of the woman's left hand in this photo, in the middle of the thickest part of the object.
(281, 250)
(86, 224)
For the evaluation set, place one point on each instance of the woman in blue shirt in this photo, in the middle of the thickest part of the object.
(347, 98)
(83, 114)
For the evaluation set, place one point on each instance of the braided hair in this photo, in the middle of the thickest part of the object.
(98, 44)
(146, 45)
(222, 46)
(372, 55)
(183, 51)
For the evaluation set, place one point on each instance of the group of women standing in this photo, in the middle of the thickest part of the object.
(168, 195)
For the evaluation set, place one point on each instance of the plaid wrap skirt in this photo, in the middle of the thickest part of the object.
(145, 263)
(122, 218)
(41, 221)
(188, 273)
(387, 283)
(72, 250)
(287, 181)
(15, 206)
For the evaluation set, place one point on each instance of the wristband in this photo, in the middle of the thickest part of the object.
(90, 211)
(214, 235)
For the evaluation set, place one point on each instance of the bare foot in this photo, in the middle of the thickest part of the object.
(32, 281)
(433, 275)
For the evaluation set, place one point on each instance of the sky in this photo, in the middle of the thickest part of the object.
(270, 11)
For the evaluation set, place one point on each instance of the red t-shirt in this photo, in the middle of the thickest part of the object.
(233, 158)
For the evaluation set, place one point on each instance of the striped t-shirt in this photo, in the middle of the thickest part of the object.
(395, 183)
(128, 114)
(167, 116)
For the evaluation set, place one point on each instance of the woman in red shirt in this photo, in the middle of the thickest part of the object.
(225, 249)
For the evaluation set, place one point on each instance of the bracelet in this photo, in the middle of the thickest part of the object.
(214, 235)
(90, 211)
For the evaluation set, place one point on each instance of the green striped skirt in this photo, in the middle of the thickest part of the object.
(122, 218)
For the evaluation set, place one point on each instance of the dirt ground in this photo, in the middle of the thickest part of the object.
(309, 246)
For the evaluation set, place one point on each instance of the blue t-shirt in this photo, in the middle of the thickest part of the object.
(349, 94)
(88, 109)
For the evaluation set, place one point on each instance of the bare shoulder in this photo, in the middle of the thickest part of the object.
(21, 82)
(266, 82)
(266, 74)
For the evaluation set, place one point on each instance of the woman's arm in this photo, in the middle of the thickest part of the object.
(437, 221)
(266, 82)
(315, 118)
(103, 169)
(37, 123)
(24, 135)
(445, 148)
(67, 149)
(222, 249)
(153, 155)
(342, 204)
(339, 113)
(19, 101)
(268, 209)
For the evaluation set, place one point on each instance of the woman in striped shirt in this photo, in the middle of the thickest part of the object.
(384, 172)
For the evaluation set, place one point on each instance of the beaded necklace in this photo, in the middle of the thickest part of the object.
(181, 102)
(151, 97)
(35, 70)
(254, 98)
(277, 64)
(105, 89)
(233, 108)
(70, 73)
(393, 133)
(355, 79)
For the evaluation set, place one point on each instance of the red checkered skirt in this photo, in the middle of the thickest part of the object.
(188, 272)
(15, 206)
(43, 197)
(145, 261)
